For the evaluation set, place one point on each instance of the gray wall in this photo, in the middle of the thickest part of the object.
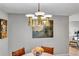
(20, 34)
(3, 42)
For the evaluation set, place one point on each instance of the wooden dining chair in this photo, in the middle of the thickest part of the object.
(19, 52)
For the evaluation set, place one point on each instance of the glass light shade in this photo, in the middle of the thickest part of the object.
(39, 13)
(29, 15)
(30, 21)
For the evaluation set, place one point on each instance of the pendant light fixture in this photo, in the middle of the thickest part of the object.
(38, 18)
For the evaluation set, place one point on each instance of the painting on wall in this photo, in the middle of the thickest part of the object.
(3, 28)
(43, 31)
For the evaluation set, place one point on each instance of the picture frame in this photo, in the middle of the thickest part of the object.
(3, 28)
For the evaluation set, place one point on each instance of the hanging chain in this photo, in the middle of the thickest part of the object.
(38, 6)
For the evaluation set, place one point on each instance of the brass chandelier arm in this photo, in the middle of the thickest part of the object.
(38, 18)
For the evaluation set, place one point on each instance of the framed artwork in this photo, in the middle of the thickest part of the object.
(3, 28)
(43, 31)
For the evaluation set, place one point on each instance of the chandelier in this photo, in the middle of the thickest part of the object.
(39, 18)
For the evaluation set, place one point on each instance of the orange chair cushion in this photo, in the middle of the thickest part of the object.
(48, 49)
(19, 52)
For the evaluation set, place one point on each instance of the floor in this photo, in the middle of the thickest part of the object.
(73, 51)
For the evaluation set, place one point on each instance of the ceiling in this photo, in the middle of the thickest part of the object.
(50, 8)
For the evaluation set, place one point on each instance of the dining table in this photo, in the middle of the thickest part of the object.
(43, 54)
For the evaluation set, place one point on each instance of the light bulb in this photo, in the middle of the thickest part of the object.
(39, 13)
(48, 16)
(29, 15)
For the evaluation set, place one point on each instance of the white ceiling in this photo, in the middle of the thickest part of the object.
(50, 8)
